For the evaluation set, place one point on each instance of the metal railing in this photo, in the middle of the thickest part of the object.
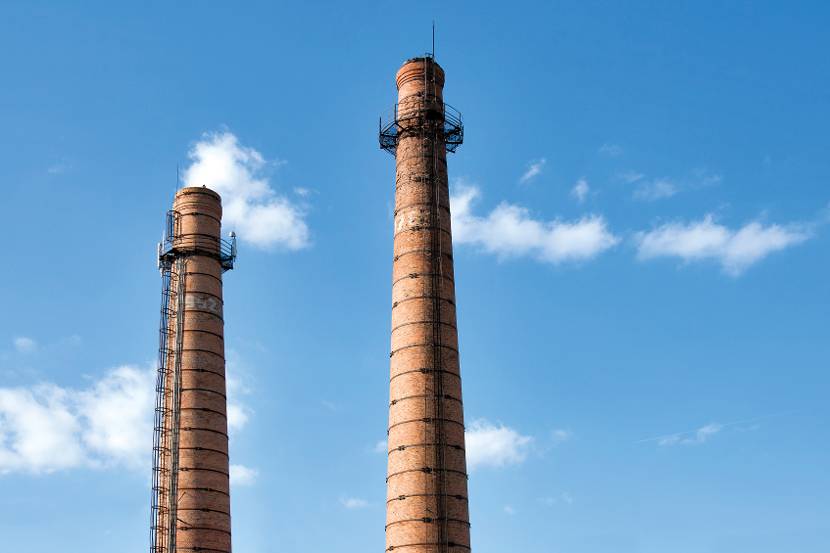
(174, 244)
(396, 122)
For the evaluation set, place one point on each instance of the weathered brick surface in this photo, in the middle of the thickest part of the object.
(426, 472)
(203, 500)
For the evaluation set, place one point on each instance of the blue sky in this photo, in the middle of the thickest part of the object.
(641, 217)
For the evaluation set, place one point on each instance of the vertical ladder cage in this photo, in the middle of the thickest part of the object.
(168, 390)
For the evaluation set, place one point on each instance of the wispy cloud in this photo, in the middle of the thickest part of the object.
(24, 344)
(353, 502)
(534, 169)
(699, 436)
(653, 189)
(551, 500)
(252, 208)
(235, 375)
(494, 445)
(611, 150)
(580, 190)
(59, 168)
(703, 178)
(560, 435)
(735, 249)
(696, 437)
(630, 177)
(510, 231)
(240, 475)
(508, 509)
(381, 447)
(706, 432)
(657, 189)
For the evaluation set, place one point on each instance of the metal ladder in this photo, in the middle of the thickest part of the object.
(166, 419)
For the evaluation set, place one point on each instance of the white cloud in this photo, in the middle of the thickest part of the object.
(49, 428)
(611, 150)
(551, 500)
(237, 416)
(735, 250)
(580, 190)
(707, 179)
(24, 344)
(38, 431)
(630, 177)
(494, 445)
(509, 510)
(510, 231)
(696, 437)
(534, 169)
(238, 412)
(240, 475)
(381, 447)
(59, 168)
(251, 207)
(116, 416)
(560, 435)
(353, 502)
(657, 189)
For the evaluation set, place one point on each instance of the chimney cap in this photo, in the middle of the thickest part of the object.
(413, 68)
(186, 190)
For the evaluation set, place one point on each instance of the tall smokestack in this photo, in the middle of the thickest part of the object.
(427, 509)
(191, 501)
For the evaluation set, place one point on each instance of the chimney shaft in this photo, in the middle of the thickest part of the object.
(427, 510)
(191, 508)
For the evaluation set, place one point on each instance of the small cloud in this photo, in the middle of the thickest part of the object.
(238, 413)
(381, 447)
(509, 510)
(656, 190)
(251, 207)
(704, 433)
(707, 179)
(560, 435)
(241, 475)
(735, 249)
(534, 169)
(238, 416)
(354, 502)
(331, 406)
(611, 150)
(696, 437)
(580, 190)
(24, 344)
(551, 500)
(630, 177)
(491, 445)
(302, 192)
(510, 231)
(59, 168)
